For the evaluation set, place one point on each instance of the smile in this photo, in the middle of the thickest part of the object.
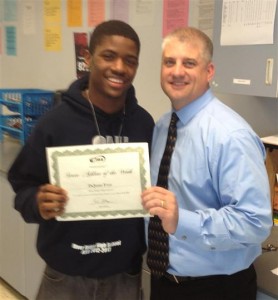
(116, 80)
(179, 84)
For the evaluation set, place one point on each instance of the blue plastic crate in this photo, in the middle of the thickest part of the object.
(12, 125)
(31, 102)
(17, 127)
(27, 105)
(12, 121)
(29, 124)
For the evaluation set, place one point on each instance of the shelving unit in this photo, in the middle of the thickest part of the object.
(20, 109)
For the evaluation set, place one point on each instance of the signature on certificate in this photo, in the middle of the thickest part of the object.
(101, 203)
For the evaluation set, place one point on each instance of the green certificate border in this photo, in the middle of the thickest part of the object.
(56, 154)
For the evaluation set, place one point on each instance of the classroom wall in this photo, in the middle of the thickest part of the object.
(33, 67)
(261, 113)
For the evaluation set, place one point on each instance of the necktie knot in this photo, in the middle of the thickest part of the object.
(174, 120)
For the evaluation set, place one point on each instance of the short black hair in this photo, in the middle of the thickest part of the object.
(113, 27)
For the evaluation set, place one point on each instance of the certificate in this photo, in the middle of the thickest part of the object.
(103, 181)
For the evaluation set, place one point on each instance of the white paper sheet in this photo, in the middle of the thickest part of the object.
(247, 22)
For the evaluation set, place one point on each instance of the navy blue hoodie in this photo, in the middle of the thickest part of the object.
(86, 248)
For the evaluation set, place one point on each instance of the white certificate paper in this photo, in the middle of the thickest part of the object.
(103, 181)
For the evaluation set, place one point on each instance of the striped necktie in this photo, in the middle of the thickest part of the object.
(158, 244)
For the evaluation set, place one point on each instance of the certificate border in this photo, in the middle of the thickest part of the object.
(100, 214)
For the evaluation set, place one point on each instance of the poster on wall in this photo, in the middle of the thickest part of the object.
(175, 14)
(81, 46)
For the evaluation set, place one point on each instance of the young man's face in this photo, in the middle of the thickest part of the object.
(113, 66)
(185, 74)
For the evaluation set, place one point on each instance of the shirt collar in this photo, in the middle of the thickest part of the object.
(186, 113)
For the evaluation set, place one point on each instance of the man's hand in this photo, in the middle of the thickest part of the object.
(161, 202)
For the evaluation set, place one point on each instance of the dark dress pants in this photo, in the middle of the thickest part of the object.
(239, 286)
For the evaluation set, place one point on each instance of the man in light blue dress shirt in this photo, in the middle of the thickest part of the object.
(217, 208)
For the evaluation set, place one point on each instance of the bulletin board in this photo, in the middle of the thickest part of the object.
(35, 67)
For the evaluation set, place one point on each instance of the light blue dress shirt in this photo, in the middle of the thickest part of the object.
(220, 181)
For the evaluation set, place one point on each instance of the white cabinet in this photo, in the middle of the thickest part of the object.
(20, 265)
(33, 264)
(12, 240)
(244, 69)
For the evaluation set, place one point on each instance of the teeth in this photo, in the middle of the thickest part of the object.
(116, 80)
(178, 83)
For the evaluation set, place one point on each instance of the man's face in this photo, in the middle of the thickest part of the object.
(113, 66)
(185, 74)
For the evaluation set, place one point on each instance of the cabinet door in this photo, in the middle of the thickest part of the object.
(34, 265)
(12, 239)
(244, 69)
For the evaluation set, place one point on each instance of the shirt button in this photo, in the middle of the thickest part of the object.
(184, 237)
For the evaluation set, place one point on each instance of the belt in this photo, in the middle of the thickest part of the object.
(179, 279)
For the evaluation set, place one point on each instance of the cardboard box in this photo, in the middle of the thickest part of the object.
(272, 171)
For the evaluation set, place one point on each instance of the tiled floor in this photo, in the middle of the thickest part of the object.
(262, 296)
(7, 293)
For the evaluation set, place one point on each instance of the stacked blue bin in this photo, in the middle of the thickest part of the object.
(23, 107)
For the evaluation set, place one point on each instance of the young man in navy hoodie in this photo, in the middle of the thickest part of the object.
(100, 105)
